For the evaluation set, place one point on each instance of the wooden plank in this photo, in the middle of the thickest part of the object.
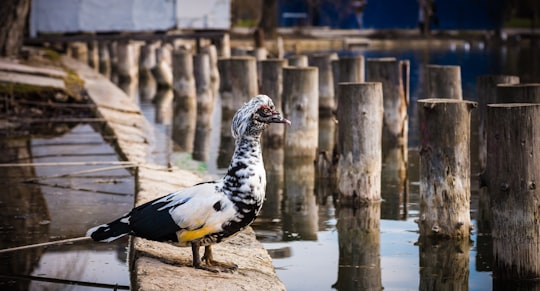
(25, 79)
(8, 66)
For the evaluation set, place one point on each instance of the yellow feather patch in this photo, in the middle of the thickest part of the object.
(190, 235)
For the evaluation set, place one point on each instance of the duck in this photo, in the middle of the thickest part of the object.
(210, 212)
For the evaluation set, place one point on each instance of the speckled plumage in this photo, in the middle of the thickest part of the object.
(209, 212)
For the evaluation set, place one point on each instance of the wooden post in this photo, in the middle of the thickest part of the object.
(349, 69)
(272, 85)
(298, 61)
(214, 72)
(486, 92)
(104, 60)
(518, 93)
(205, 106)
(238, 84)
(79, 51)
(162, 71)
(327, 99)
(302, 109)
(185, 101)
(360, 109)
(445, 174)
(147, 82)
(388, 71)
(128, 60)
(93, 56)
(443, 82)
(513, 174)
(223, 46)
(113, 54)
(273, 151)
(359, 248)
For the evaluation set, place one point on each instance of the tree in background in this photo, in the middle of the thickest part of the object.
(13, 14)
(268, 22)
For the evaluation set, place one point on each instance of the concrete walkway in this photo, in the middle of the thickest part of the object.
(161, 266)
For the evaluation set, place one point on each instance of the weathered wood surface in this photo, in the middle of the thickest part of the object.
(360, 119)
(327, 98)
(301, 107)
(443, 82)
(445, 182)
(298, 61)
(518, 93)
(9, 66)
(486, 92)
(388, 71)
(205, 106)
(185, 101)
(513, 174)
(238, 84)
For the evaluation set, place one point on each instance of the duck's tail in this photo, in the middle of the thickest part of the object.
(110, 231)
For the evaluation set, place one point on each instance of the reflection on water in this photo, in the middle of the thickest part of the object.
(318, 247)
(59, 191)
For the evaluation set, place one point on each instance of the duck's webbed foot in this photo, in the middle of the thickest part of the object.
(211, 265)
(209, 260)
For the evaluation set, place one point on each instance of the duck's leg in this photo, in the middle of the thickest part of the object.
(197, 258)
(223, 267)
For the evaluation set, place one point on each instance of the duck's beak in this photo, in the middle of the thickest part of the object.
(277, 118)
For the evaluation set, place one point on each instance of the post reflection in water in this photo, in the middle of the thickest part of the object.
(163, 103)
(444, 264)
(300, 210)
(359, 248)
(23, 214)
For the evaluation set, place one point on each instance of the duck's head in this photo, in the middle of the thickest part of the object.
(254, 116)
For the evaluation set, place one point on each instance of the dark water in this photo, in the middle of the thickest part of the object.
(300, 226)
(66, 181)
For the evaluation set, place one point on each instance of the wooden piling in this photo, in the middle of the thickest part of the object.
(360, 117)
(79, 51)
(238, 84)
(486, 92)
(164, 106)
(271, 83)
(388, 71)
(128, 60)
(349, 70)
(93, 55)
(445, 186)
(211, 50)
(513, 174)
(162, 71)
(205, 106)
(443, 82)
(301, 106)
(185, 101)
(297, 61)
(104, 59)
(518, 93)
(327, 98)
(147, 60)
